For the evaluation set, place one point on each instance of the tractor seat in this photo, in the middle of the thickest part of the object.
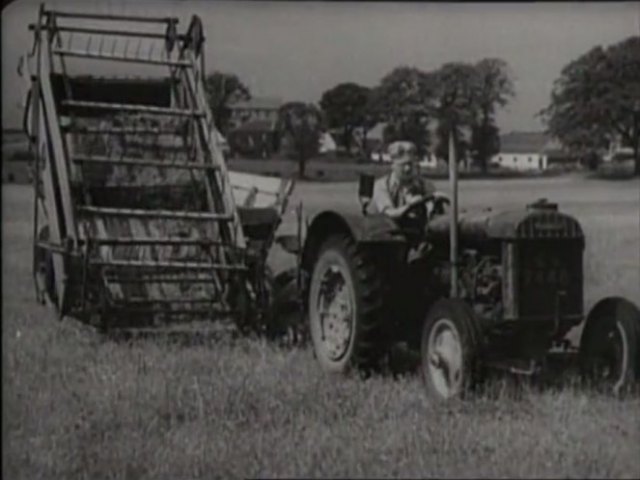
(258, 222)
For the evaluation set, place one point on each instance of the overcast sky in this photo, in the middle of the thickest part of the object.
(296, 51)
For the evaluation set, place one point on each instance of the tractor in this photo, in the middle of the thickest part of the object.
(469, 293)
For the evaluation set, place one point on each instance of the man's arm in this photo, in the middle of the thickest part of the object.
(428, 187)
(381, 196)
(383, 201)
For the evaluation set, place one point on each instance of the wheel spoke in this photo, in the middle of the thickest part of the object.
(445, 360)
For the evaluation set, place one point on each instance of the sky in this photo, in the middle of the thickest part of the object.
(298, 50)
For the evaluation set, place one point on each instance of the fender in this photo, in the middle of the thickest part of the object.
(369, 229)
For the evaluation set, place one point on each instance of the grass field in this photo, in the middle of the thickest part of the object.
(80, 406)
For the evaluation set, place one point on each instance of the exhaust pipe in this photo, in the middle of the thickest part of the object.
(453, 248)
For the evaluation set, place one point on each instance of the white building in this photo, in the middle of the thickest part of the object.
(256, 108)
(326, 143)
(531, 151)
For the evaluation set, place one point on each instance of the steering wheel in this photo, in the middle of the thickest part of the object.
(439, 202)
(417, 208)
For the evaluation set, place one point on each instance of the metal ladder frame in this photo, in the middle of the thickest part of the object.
(52, 151)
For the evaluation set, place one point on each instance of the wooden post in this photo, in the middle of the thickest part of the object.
(453, 250)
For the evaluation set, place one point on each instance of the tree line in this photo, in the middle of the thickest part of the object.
(596, 97)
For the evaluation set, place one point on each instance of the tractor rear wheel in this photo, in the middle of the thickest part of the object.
(345, 307)
(449, 349)
(609, 355)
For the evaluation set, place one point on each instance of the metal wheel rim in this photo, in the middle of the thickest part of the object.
(610, 360)
(335, 309)
(445, 358)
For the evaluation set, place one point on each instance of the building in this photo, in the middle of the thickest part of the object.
(257, 108)
(530, 151)
(254, 139)
(618, 151)
(327, 143)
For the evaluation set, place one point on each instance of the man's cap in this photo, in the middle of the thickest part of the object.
(399, 151)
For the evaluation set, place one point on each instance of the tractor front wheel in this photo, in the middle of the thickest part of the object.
(609, 356)
(448, 350)
(345, 307)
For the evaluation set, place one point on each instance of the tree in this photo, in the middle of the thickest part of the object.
(455, 107)
(412, 127)
(345, 107)
(301, 123)
(597, 98)
(223, 89)
(485, 142)
(493, 88)
(404, 99)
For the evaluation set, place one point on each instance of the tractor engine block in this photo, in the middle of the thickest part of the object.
(481, 282)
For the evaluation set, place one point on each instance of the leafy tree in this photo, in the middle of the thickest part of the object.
(443, 130)
(301, 123)
(493, 88)
(485, 142)
(345, 107)
(404, 99)
(455, 107)
(412, 127)
(597, 98)
(223, 89)
(372, 116)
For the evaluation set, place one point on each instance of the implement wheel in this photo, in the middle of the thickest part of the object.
(345, 307)
(44, 271)
(609, 356)
(448, 350)
(285, 323)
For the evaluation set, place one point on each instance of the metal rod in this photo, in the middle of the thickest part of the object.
(102, 16)
(124, 107)
(173, 311)
(158, 241)
(143, 163)
(137, 280)
(81, 129)
(51, 247)
(160, 301)
(453, 179)
(152, 264)
(109, 32)
(118, 58)
(171, 214)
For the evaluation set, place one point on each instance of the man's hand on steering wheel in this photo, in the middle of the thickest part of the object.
(417, 201)
(438, 200)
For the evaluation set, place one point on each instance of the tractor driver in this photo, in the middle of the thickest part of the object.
(403, 188)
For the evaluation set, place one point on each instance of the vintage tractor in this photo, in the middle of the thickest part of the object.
(491, 289)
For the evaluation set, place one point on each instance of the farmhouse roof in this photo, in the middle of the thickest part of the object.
(258, 103)
(528, 142)
(257, 126)
(377, 132)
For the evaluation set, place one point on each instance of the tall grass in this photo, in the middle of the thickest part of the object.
(82, 407)
(77, 405)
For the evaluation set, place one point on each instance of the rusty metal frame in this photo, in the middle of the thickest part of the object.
(69, 244)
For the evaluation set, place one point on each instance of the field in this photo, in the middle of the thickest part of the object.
(80, 406)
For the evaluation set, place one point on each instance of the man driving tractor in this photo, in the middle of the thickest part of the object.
(403, 188)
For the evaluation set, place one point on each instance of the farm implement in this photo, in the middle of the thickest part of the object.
(137, 222)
